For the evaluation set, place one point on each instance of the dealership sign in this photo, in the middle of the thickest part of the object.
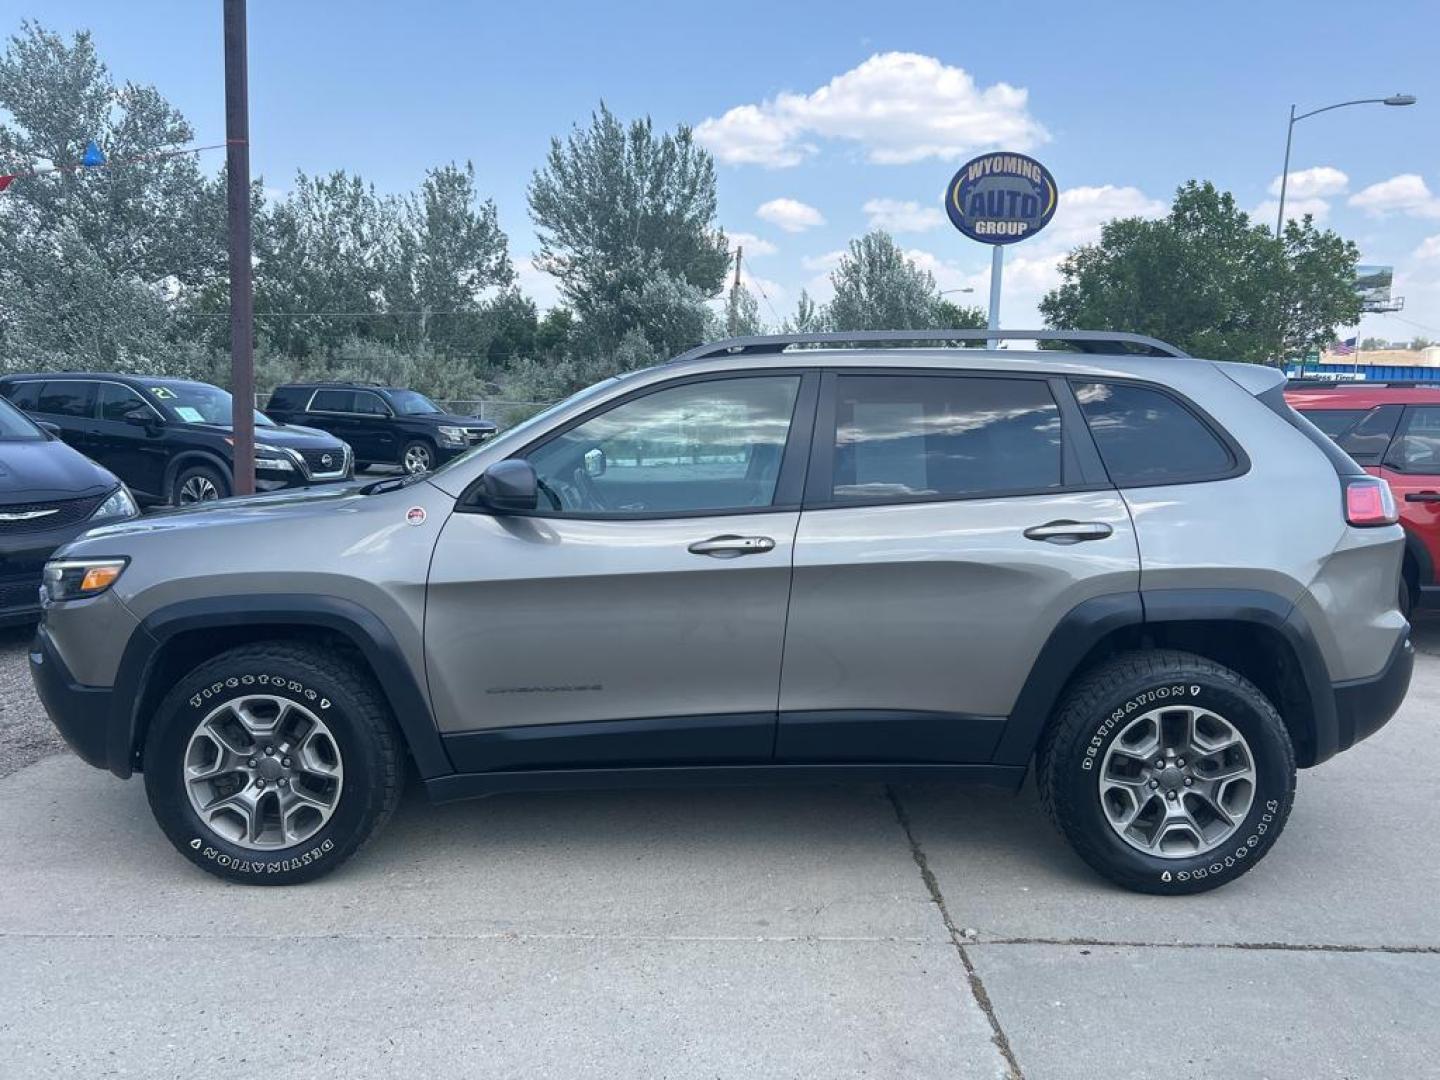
(1001, 198)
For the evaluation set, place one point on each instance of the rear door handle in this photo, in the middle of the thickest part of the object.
(730, 547)
(1069, 532)
(1423, 496)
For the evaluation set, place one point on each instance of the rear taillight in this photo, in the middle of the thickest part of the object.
(1368, 501)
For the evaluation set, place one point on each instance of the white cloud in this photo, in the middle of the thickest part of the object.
(900, 107)
(536, 283)
(1429, 248)
(828, 261)
(1403, 194)
(754, 246)
(1295, 209)
(789, 214)
(902, 216)
(1314, 183)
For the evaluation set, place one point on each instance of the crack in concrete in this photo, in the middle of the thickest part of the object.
(1241, 946)
(977, 985)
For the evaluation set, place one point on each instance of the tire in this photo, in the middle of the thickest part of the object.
(1102, 730)
(418, 456)
(333, 796)
(1406, 600)
(196, 484)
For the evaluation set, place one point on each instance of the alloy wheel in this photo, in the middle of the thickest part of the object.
(1177, 781)
(197, 489)
(417, 459)
(263, 772)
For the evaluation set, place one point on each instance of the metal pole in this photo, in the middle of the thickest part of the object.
(997, 266)
(1285, 175)
(1356, 372)
(242, 296)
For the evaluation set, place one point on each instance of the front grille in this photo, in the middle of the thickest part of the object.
(20, 593)
(318, 467)
(475, 434)
(15, 518)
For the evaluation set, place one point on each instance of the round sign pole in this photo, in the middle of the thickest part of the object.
(997, 266)
(998, 199)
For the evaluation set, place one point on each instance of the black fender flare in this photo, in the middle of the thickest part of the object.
(1089, 622)
(196, 457)
(409, 704)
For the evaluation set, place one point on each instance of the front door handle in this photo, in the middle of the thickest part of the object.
(1423, 496)
(730, 547)
(1069, 532)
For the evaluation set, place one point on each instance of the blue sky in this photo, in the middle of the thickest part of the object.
(841, 115)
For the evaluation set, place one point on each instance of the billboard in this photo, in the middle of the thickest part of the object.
(1001, 198)
(1373, 283)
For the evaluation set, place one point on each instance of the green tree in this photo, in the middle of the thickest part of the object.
(878, 288)
(742, 313)
(94, 262)
(809, 317)
(626, 222)
(1208, 279)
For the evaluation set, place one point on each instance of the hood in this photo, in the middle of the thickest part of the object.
(290, 435)
(452, 419)
(48, 471)
(250, 508)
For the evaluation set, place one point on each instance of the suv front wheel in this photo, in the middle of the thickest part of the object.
(196, 484)
(1167, 772)
(272, 763)
(418, 456)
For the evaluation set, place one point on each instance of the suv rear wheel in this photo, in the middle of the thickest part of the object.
(272, 763)
(1167, 772)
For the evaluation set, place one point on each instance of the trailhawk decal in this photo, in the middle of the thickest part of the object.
(274, 682)
(266, 866)
(1140, 701)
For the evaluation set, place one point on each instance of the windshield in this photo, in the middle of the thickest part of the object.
(200, 403)
(413, 403)
(15, 426)
(521, 430)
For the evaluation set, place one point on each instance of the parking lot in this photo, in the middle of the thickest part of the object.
(828, 932)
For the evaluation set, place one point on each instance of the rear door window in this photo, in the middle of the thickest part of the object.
(71, 397)
(333, 401)
(912, 437)
(25, 395)
(1147, 437)
(1416, 448)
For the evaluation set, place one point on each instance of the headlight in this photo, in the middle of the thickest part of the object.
(120, 504)
(452, 436)
(72, 579)
(273, 458)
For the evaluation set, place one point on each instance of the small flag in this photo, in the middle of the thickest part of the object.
(1344, 348)
(93, 155)
(6, 180)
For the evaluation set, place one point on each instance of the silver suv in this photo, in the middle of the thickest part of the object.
(815, 557)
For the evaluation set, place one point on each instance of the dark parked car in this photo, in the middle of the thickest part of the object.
(383, 424)
(49, 495)
(169, 439)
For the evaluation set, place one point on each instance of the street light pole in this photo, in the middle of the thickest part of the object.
(242, 295)
(1393, 99)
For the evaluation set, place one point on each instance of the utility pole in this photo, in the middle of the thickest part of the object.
(242, 293)
(732, 317)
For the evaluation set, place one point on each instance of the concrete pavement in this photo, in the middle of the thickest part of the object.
(770, 932)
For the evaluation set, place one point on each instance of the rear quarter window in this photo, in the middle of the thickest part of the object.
(1148, 437)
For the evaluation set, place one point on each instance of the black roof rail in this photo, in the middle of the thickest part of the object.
(1086, 341)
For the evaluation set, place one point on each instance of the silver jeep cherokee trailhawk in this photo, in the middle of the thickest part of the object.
(840, 561)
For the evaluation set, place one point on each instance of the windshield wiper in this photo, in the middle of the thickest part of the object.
(392, 483)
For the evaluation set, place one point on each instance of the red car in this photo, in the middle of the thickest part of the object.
(1393, 431)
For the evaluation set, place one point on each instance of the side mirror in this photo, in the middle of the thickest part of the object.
(140, 419)
(595, 462)
(509, 487)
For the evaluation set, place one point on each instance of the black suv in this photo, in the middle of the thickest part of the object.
(169, 439)
(383, 424)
